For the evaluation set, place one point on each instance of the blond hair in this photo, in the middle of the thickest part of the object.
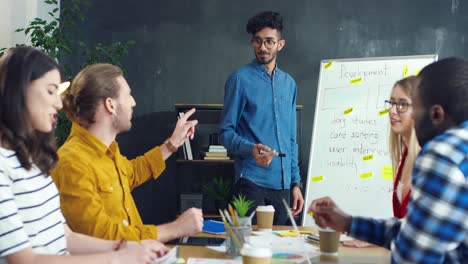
(93, 83)
(396, 143)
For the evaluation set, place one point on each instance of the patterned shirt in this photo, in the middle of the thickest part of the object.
(435, 229)
(30, 213)
(259, 108)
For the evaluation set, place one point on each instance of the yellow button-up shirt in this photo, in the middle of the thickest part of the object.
(95, 182)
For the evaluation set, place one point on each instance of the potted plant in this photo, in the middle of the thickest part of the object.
(57, 38)
(242, 206)
(219, 191)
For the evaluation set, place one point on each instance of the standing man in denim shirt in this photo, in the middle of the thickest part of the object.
(258, 123)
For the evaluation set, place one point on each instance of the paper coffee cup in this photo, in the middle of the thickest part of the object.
(329, 241)
(265, 215)
(253, 255)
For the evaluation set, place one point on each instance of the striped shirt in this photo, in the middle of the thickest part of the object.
(30, 213)
(435, 229)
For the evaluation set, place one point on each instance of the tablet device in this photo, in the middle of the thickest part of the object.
(198, 241)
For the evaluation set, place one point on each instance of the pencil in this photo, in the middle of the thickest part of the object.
(233, 215)
(230, 231)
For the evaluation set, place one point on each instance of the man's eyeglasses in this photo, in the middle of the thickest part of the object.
(257, 43)
(401, 107)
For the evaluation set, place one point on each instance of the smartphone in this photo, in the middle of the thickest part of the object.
(198, 241)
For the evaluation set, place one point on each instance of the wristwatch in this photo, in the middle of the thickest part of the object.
(169, 146)
(296, 184)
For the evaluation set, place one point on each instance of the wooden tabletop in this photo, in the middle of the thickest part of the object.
(345, 254)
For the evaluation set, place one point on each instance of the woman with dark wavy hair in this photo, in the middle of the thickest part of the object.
(32, 227)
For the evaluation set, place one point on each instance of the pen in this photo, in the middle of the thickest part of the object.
(230, 231)
(293, 222)
(251, 215)
(279, 154)
(228, 218)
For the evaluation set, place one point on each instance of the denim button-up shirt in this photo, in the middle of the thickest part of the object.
(259, 108)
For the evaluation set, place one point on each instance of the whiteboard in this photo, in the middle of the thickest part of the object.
(349, 155)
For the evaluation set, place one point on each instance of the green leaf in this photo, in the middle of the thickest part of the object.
(242, 205)
(218, 189)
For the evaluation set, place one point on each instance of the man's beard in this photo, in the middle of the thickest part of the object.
(119, 123)
(425, 130)
(265, 60)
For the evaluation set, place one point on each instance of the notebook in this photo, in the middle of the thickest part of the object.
(213, 227)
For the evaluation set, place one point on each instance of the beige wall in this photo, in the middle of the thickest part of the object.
(16, 14)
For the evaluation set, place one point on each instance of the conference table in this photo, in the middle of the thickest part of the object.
(366, 255)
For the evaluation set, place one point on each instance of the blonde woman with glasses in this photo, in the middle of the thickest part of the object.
(404, 146)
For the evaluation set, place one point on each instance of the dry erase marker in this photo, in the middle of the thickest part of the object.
(276, 154)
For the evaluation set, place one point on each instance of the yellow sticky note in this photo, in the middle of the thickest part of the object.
(366, 175)
(302, 232)
(416, 72)
(291, 233)
(356, 80)
(383, 112)
(180, 261)
(368, 157)
(286, 233)
(387, 172)
(311, 214)
(405, 70)
(317, 178)
(328, 65)
(347, 111)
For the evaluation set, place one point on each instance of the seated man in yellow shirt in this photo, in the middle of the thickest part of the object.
(94, 179)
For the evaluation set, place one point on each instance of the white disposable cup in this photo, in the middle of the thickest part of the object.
(254, 255)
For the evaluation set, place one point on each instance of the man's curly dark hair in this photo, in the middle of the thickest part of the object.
(265, 19)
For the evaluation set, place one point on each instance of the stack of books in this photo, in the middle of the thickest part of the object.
(215, 152)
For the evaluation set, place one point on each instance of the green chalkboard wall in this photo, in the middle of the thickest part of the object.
(185, 49)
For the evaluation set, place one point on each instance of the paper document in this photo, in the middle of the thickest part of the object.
(169, 258)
